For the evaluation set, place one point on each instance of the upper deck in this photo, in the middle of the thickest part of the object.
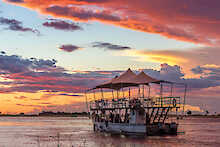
(147, 103)
(142, 84)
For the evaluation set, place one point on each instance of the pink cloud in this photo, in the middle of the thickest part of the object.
(192, 21)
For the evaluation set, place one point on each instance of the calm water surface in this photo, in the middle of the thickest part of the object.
(77, 132)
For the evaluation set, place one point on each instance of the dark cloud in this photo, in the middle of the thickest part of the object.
(191, 21)
(81, 14)
(16, 64)
(93, 1)
(212, 73)
(16, 1)
(62, 25)
(46, 103)
(24, 105)
(69, 48)
(197, 70)
(206, 70)
(33, 75)
(175, 74)
(16, 25)
(72, 95)
(20, 97)
(109, 46)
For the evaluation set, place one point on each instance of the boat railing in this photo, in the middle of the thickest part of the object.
(124, 103)
(171, 102)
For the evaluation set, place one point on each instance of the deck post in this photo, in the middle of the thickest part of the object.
(86, 103)
(129, 94)
(171, 90)
(148, 91)
(113, 94)
(139, 92)
(161, 94)
(102, 93)
(161, 115)
(184, 100)
(151, 115)
(155, 116)
(123, 93)
(166, 115)
(94, 94)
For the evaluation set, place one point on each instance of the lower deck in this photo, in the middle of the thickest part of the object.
(136, 129)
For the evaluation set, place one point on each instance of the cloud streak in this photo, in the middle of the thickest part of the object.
(15, 25)
(33, 75)
(69, 48)
(109, 46)
(62, 25)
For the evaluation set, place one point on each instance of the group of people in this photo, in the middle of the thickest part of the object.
(111, 117)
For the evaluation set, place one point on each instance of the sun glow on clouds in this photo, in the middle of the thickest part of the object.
(24, 80)
(18, 102)
(188, 21)
(148, 56)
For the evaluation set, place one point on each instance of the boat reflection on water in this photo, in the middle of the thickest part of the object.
(135, 116)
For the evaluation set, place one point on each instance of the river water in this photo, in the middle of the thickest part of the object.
(77, 132)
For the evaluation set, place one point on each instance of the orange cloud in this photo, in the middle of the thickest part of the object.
(189, 21)
(190, 58)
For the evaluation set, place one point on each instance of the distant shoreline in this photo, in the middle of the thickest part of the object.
(87, 115)
(48, 114)
(203, 116)
(41, 116)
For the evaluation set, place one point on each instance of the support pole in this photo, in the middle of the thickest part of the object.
(143, 91)
(171, 90)
(148, 91)
(161, 90)
(102, 93)
(129, 94)
(123, 93)
(94, 95)
(184, 100)
(161, 94)
(155, 116)
(86, 103)
(139, 92)
(168, 109)
(113, 94)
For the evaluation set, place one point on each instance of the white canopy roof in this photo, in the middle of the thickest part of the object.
(143, 78)
(128, 79)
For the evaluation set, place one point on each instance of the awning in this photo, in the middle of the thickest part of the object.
(129, 79)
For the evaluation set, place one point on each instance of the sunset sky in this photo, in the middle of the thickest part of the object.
(51, 51)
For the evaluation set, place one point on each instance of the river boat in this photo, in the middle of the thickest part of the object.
(140, 115)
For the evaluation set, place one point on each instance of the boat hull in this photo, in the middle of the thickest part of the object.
(135, 129)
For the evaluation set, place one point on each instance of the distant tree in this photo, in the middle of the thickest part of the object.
(189, 112)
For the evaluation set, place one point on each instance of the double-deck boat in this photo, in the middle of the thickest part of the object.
(139, 115)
